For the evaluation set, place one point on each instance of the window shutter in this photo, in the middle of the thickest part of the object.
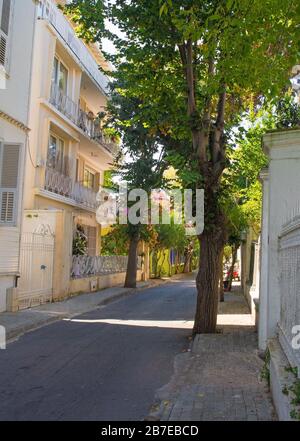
(4, 30)
(9, 171)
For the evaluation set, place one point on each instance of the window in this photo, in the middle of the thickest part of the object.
(56, 152)
(9, 178)
(89, 178)
(55, 71)
(60, 75)
(5, 15)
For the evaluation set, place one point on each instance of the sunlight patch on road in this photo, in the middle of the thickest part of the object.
(223, 319)
(235, 319)
(177, 324)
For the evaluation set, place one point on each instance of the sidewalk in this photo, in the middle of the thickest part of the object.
(218, 378)
(17, 323)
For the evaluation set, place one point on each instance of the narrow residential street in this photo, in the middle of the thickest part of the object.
(104, 365)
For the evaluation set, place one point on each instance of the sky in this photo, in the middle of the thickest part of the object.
(107, 45)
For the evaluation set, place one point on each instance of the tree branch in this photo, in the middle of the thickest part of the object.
(217, 148)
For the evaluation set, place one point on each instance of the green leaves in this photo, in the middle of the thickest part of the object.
(287, 112)
(241, 189)
(165, 5)
(249, 46)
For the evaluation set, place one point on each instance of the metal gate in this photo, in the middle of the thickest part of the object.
(36, 267)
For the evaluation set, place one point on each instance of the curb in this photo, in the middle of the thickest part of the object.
(15, 333)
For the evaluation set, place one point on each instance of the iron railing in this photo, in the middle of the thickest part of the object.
(63, 185)
(85, 121)
(63, 103)
(49, 11)
(86, 266)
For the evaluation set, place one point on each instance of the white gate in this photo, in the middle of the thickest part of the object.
(36, 267)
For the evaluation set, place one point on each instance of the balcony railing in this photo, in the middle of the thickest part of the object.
(90, 125)
(85, 121)
(63, 103)
(84, 195)
(87, 266)
(49, 11)
(62, 185)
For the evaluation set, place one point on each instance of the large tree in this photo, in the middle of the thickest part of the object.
(196, 66)
(140, 163)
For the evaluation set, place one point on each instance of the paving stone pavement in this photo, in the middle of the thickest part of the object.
(219, 377)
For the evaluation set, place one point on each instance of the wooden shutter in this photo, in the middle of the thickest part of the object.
(5, 12)
(9, 173)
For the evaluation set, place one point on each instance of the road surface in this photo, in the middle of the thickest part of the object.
(104, 365)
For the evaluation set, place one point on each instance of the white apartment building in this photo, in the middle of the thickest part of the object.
(16, 46)
(54, 155)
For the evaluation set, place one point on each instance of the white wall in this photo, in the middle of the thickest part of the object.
(14, 99)
(14, 102)
(283, 149)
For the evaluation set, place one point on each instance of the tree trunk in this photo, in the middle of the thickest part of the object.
(209, 145)
(188, 258)
(187, 261)
(207, 282)
(221, 276)
(234, 255)
(212, 242)
(130, 281)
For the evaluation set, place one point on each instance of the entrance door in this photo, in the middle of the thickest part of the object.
(36, 267)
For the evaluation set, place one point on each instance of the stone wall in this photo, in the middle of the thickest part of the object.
(97, 283)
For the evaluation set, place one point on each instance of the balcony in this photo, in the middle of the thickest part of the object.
(87, 122)
(62, 185)
(91, 127)
(63, 103)
(49, 11)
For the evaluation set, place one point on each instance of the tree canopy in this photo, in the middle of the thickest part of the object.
(195, 68)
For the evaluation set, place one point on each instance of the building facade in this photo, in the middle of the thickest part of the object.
(16, 51)
(55, 152)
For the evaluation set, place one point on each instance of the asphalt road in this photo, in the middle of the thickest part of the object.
(105, 365)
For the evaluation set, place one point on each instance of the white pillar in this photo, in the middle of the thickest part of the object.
(281, 197)
(263, 282)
